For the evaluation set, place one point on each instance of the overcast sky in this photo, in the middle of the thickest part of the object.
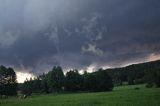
(36, 35)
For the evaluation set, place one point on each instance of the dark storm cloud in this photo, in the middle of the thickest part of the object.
(37, 34)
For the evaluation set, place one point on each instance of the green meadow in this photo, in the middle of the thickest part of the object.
(136, 95)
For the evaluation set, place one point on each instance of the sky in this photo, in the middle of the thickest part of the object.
(36, 35)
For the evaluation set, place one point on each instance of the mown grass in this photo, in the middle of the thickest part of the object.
(120, 96)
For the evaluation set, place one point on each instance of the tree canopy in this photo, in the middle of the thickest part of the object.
(8, 83)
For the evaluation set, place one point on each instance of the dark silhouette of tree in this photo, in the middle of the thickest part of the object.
(98, 81)
(45, 87)
(56, 79)
(27, 87)
(8, 83)
(74, 81)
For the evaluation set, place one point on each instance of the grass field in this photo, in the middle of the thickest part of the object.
(120, 96)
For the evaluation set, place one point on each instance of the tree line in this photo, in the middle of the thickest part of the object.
(101, 80)
(137, 74)
(73, 81)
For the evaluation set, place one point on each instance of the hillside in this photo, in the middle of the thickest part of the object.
(134, 74)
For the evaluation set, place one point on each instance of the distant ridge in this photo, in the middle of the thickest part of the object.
(135, 73)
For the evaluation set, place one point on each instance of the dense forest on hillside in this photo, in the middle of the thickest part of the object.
(137, 73)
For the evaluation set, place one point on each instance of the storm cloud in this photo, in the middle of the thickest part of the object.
(38, 34)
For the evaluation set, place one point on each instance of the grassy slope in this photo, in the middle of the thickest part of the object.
(121, 96)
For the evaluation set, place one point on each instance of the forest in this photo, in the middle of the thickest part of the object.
(55, 81)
